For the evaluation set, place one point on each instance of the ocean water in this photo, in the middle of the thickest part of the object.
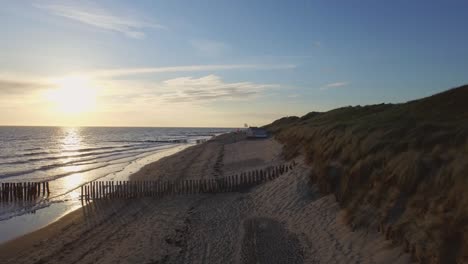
(68, 157)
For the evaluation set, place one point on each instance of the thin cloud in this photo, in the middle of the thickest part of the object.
(334, 85)
(317, 44)
(187, 68)
(208, 88)
(102, 19)
(14, 87)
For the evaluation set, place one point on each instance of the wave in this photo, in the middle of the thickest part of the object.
(97, 154)
(83, 162)
(62, 151)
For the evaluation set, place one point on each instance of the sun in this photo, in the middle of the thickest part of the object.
(73, 95)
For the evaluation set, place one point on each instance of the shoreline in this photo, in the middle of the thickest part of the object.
(274, 222)
(48, 215)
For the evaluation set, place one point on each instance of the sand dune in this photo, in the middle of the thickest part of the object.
(282, 221)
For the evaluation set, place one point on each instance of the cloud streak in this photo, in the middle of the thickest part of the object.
(334, 85)
(12, 86)
(102, 19)
(187, 68)
(208, 88)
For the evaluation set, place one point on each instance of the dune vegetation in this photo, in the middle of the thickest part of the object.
(401, 169)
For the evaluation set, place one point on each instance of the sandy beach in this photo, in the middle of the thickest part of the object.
(285, 220)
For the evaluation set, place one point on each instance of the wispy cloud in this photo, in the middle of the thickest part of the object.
(209, 47)
(208, 88)
(102, 19)
(334, 85)
(317, 44)
(186, 68)
(15, 84)
(19, 87)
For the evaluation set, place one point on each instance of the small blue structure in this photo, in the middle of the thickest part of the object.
(255, 132)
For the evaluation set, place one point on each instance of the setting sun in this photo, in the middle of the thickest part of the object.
(73, 95)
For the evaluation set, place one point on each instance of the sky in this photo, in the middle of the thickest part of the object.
(216, 63)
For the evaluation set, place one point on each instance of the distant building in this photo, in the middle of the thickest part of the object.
(255, 132)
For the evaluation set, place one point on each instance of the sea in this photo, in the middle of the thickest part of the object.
(69, 157)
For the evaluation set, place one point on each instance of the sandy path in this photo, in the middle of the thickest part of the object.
(282, 221)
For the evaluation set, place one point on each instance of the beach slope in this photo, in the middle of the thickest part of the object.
(284, 220)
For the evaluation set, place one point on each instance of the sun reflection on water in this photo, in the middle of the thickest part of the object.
(72, 141)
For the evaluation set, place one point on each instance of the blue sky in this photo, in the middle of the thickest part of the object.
(221, 63)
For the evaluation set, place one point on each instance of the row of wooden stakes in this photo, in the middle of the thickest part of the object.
(23, 191)
(133, 189)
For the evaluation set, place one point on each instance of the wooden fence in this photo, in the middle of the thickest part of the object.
(23, 191)
(30, 191)
(133, 189)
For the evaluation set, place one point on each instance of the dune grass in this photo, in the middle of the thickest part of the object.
(398, 168)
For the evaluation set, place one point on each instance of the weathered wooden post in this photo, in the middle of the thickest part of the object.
(90, 190)
(18, 191)
(13, 191)
(156, 188)
(29, 191)
(95, 190)
(123, 189)
(98, 190)
(233, 182)
(150, 188)
(135, 188)
(128, 191)
(85, 186)
(106, 189)
(35, 190)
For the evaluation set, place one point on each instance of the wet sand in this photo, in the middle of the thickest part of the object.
(281, 221)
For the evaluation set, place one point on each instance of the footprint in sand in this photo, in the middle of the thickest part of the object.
(267, 241)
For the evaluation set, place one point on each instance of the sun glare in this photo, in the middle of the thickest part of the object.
(73, 95)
